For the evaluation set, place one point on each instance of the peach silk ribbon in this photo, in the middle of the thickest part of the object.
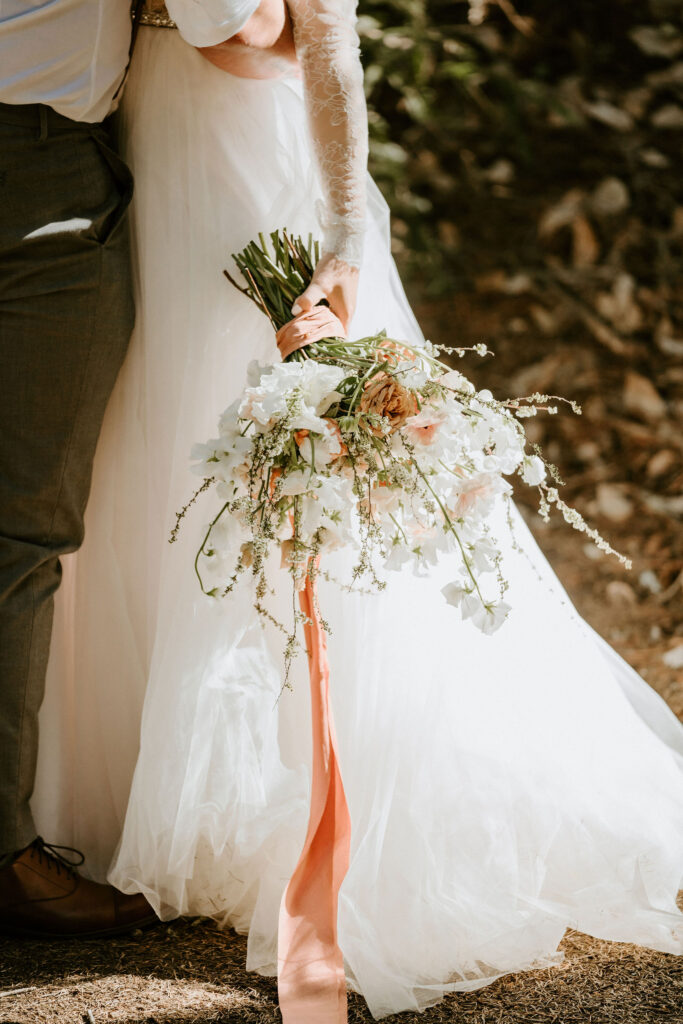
(313, 325)
(311, 981)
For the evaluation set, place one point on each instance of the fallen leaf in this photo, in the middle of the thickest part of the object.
(663, 504)
(610, 197)
(642, 399)
(649, 580)
(619, 305)
(562, 213)
(620, 593)
(657, 40)
(653, 158)
(501, 172)
(585, 245)
(669, 116)
(610, 115)
(662, 462)
(613, 503)
(674, 657)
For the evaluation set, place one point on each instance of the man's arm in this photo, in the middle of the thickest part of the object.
(208, 22)
(262, 46)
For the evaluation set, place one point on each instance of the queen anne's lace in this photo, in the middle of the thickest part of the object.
(328, 49)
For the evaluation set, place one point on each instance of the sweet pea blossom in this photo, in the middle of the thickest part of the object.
(324, 446)
(313, 383)
(533, 470)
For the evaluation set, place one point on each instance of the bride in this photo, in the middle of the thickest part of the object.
(501, 788)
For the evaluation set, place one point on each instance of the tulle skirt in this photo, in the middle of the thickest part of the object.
(501, 788)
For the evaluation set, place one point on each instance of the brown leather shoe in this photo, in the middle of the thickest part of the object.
(42, 895)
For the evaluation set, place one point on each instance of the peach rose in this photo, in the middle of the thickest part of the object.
(385, 396)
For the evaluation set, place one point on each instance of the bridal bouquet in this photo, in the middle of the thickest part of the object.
(372, 444)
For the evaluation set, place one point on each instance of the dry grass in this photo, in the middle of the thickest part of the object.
(191, 973)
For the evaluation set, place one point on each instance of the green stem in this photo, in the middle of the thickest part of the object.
(203, 545)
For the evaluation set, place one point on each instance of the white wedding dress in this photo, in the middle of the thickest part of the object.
(501, 788)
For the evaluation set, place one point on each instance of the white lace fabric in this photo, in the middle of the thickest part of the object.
(328, 49)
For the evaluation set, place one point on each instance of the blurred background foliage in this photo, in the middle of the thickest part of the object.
(472, 123)
(530, 152)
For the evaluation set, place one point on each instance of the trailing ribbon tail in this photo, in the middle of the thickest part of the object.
(311, 981)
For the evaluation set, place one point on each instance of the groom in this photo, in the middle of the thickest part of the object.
(66, 314)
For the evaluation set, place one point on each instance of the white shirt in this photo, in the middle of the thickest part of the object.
(72, 54)
(207, 22)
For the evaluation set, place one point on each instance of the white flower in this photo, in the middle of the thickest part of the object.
(255, 371)
(297, 482)
(228, 424)
(334, 492)
(454, 593)
(508, 445)
(269, 400)
(490, 619)
(335, 535)
(223, 546)
(205, 456)
(455, 381)
(487, 618)
(317, 382)
(483, 555)
(312, 513)
(324, 447)
(306, 419)
(426, 547)
(412, 373)
(471, 606)
(385, 500)
(474, 494)
(397, 557)
(533, 470)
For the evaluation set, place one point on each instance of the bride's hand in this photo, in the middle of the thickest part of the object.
(263, 49)
(335, 281)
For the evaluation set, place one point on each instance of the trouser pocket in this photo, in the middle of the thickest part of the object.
(101, 159)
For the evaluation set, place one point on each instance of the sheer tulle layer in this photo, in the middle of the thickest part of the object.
(501, 789)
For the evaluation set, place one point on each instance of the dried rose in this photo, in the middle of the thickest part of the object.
(387, 397)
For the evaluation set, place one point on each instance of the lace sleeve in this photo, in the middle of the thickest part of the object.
(328, 49)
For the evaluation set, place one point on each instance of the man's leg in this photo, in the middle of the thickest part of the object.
(66, 314)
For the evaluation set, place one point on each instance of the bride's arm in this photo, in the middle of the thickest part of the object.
(328, 49)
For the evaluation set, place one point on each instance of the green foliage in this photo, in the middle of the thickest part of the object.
(417, 80)
(449, 100)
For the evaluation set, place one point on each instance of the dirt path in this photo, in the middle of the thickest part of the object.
(190, 973)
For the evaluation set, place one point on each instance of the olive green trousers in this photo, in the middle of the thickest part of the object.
(66, 314)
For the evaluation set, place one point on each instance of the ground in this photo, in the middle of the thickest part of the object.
(191, 973)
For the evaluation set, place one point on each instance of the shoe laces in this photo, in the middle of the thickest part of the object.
(56, 859)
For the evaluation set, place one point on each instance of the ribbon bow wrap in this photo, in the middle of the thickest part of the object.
(313, 325)
(311, 980)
